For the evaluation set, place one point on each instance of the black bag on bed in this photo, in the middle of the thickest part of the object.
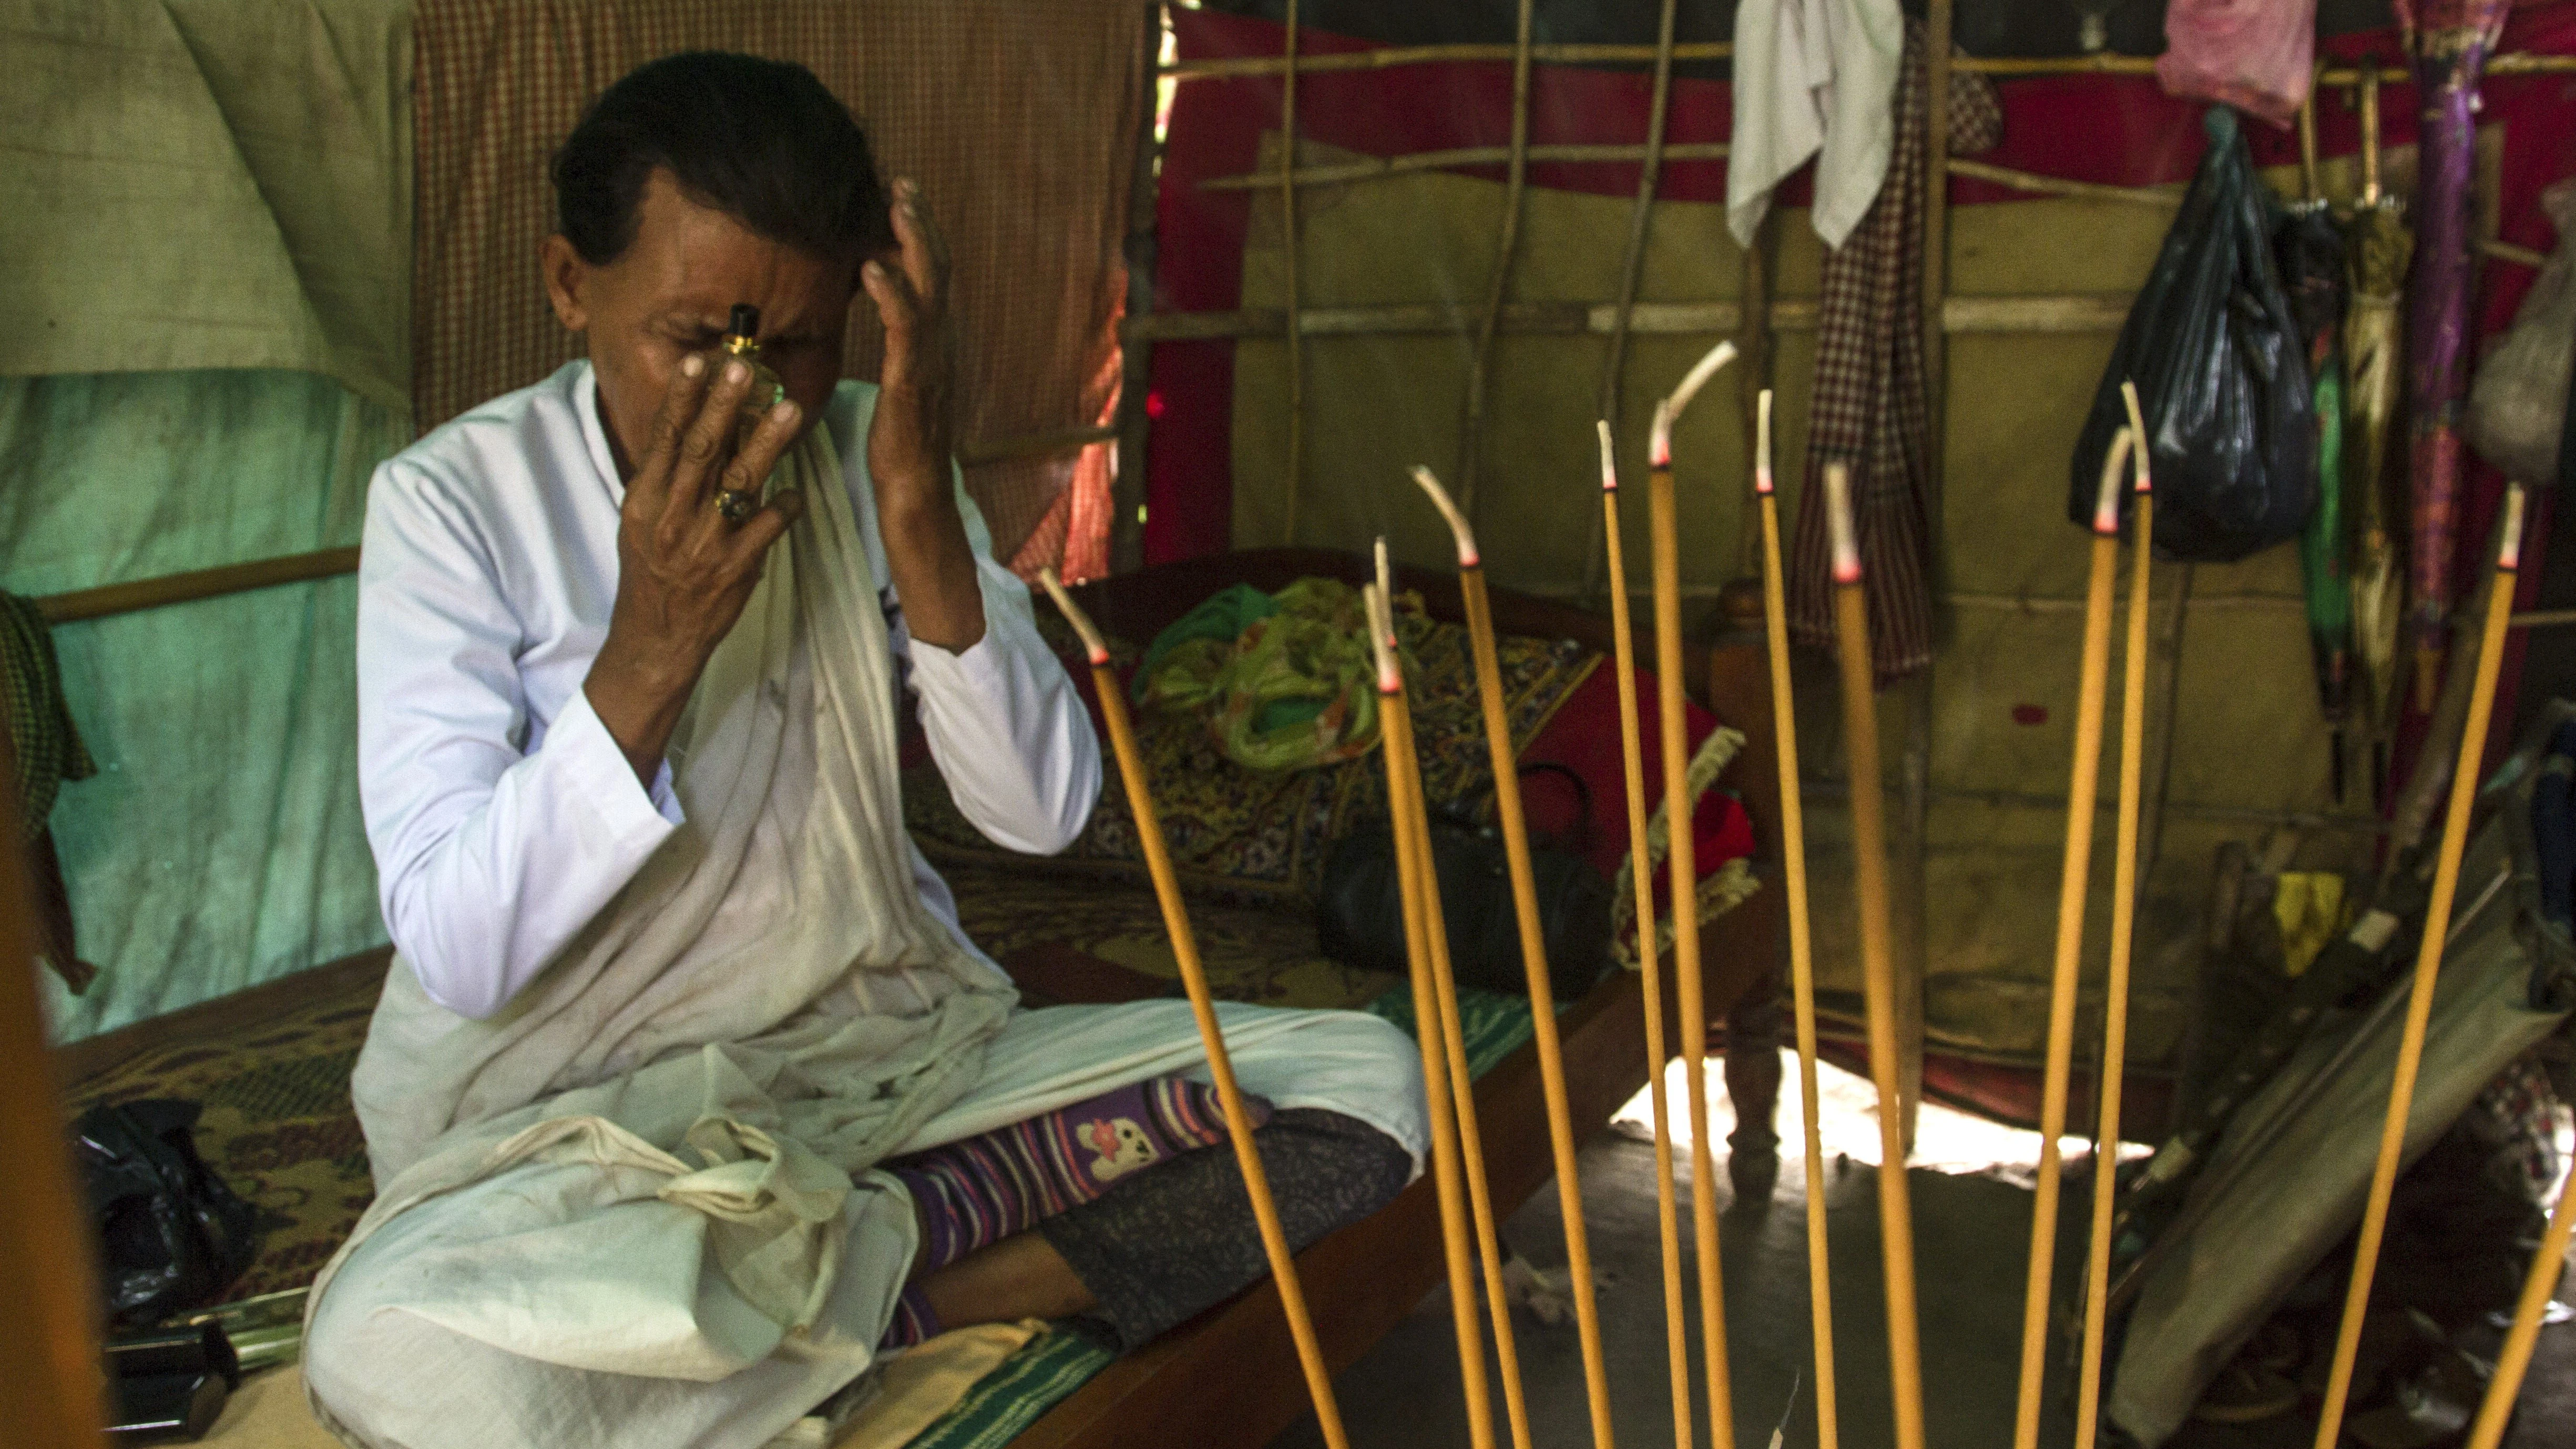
(1359, 912)
(171, 1235)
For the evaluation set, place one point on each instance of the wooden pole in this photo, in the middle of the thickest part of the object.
(1682, 857)
(2428, 967)
(1642, 879)
(1410, 163)
(2515, 1360)
(1802, 964)
(1453, 1038)
(49, 1357)
(1878, 967)
(1406, 811)
(1185, 951)
(1914, 767)
(1393, 56)
(187, 588)
(1288, 249)
(1136, 355)
(1498, 285)
(2124, 916)
(2092, 687)
(1632, 269)
(1542, 994)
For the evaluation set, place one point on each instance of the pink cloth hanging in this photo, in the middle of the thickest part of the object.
(2256, 55)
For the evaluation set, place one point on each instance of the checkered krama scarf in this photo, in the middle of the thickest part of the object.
(48, 749)
(1869, 410)
(1019, 121)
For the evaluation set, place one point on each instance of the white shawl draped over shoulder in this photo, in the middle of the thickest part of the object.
(678, 1053)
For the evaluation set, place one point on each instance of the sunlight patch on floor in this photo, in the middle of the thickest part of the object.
(1945, 1139)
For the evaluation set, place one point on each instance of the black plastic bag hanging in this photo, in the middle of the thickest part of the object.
(2221, 372)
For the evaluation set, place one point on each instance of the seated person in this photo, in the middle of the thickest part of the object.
(687, 1096)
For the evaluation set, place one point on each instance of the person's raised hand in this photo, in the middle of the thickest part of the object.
(911, 440)
(685, 571)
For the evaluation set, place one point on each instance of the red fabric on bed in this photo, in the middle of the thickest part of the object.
(1584, 737)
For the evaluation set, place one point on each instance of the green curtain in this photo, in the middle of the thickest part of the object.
(205, 183)
(220, 844)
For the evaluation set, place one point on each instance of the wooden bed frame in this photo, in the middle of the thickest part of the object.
(1229, 1379)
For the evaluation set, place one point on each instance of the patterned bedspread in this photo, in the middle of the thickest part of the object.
(1256, 835)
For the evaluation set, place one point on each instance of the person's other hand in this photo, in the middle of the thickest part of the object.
(684, 571)
(911, 440)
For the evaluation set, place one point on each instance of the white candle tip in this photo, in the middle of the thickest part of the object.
(1838, 513)
(1458, 529)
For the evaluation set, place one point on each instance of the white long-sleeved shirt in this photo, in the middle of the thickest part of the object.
(502, 814)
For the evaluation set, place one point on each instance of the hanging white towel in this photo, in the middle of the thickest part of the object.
(1812, 78)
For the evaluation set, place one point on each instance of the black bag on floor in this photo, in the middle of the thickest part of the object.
(2222, 375)
(171, 1235)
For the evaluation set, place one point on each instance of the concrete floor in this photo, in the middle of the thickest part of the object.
(1971, 1245)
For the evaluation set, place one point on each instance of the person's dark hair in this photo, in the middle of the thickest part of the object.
(760, 140)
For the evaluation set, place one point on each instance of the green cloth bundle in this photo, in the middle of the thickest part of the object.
(1285, 681)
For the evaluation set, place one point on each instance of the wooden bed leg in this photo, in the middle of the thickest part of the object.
(1755, 1029)
(1739, 694)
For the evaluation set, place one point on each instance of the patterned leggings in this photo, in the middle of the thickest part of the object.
(1179, 1237)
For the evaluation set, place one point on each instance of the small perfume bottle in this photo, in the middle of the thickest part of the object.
(742, 339)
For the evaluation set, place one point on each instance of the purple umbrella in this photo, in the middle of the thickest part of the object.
(2450, 40)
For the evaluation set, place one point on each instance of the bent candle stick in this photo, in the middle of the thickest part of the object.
(1421, 907)
(2092, 688)
(2124, 916)
(1802, 965)
(2428, 967)
(1516, 857)
(1878, 966)
(1682, 859)
(1632, 761)
(1185, 950)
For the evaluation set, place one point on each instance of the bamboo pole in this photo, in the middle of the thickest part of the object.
(2044, 314)
(2428, 966)
(1288, 252)
(1133, 429)
(188, 588)
(1642, 879)
(1914, 766)
(1406, 811)
(2166, 196)
(1498, 285)
(1453, 1039)
(2100, 63)
(1802, 965)
(49, 1358)
(1878, 967)
(1632, 270)
(1374, 168)
(1682, 858)
(1185, 951)
(2515, 1360)
(1542, 994)
(2093, 684)
(1754, 340)
(2124, 916)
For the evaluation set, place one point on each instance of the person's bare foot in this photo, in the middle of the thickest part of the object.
(1018, 1277)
